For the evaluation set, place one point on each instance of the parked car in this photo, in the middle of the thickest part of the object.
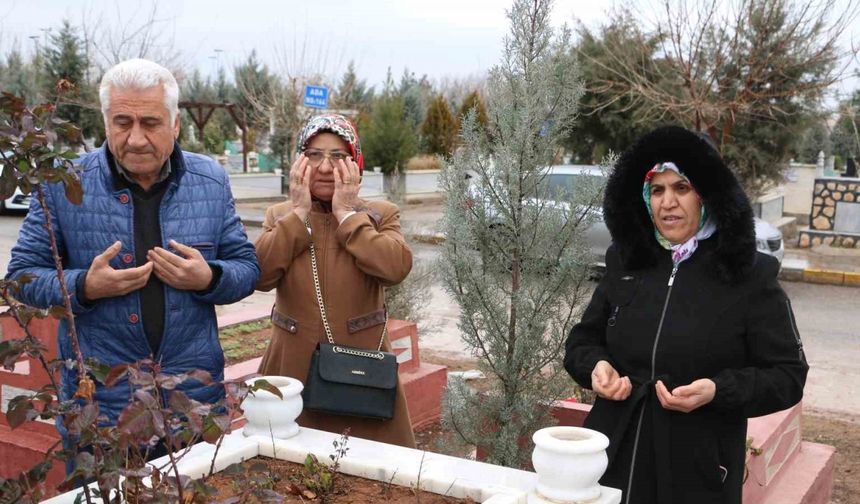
(768, 239)
(563, 179)
(18, 200)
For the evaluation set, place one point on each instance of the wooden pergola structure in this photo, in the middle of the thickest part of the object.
(200, 113)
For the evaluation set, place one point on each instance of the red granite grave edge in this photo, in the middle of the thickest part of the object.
(805, 475)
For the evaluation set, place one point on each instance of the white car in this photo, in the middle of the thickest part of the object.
(561, 179)
(18, 201)
(768, 239)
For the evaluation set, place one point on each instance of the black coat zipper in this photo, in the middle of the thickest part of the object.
(794, 330)
(653, 373)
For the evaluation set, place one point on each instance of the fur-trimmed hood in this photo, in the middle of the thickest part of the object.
(627, 218)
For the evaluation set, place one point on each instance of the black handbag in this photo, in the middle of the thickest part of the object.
(352, 382)
(349, 381)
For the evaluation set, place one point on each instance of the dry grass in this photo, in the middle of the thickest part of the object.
(424, 162)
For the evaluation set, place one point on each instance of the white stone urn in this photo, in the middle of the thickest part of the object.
(267, 414)
(569, 461)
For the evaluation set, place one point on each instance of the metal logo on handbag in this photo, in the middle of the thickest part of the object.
(349, 381)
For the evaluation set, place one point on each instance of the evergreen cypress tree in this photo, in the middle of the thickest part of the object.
(439, 129)
(516, 268)
(474, 102)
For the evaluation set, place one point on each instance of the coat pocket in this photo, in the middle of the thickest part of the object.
(206, 249)
(286, 323)
(707, 461)
(365, 321)
(622, 290)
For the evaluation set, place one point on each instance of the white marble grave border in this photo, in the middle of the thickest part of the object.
(441, 474)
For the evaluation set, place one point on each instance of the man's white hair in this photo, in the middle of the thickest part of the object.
(140, 74)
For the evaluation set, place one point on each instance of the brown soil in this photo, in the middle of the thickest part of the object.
(844, 434)
(285, 478)
(436, 438)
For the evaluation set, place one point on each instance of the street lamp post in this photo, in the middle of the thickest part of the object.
(35, 39)
(45, 32)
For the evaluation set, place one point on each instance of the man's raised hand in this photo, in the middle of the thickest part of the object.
(190, 272)
(104, 281)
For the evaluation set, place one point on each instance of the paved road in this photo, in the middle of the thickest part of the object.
(444, 337)
(828, 318)
(9, 226)
(258, 185)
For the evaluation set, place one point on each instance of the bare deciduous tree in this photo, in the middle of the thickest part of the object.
(730, 70)
(125, 33)
(295, 65)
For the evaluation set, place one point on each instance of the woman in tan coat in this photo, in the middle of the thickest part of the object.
(359, 251)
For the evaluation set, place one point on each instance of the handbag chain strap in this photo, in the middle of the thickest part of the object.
(351, 351)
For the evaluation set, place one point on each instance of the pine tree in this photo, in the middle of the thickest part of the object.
(352, 92)
(416, 94)
(65, 59)
(439, 129)
(20, 78)
(388, 138)
(517, 269)
(224, 91)
(604, 126)
(253, 91)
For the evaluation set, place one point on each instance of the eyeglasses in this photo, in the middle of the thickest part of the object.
(316, 157)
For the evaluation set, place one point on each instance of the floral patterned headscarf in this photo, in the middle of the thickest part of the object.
(681, 251)
(340, 126)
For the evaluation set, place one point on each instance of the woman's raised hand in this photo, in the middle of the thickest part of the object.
(300, 187)
(608, 384)
(687, 397)
(347, 184)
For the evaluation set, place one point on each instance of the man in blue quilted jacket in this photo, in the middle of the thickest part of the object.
(154, 247)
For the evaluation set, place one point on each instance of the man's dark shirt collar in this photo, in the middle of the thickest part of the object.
(123, 180)
(128, 181)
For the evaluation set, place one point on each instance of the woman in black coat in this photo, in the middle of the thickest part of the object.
(688, 333)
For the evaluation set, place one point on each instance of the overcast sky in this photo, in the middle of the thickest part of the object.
(440, 38)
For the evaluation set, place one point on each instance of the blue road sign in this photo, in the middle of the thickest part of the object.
(316, 97)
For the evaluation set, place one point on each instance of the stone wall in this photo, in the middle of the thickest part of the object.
(835, 216)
